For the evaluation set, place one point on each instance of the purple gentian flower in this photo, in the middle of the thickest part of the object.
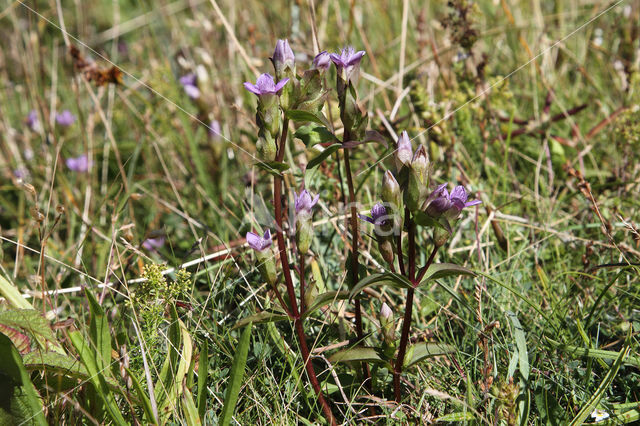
(215, 131)
(378, 215)
(440, 202)
(259, 243)
(190, 85)
(265, 85)
(349, 60)
(32, 120)
(283, 57)
(304, 202)
(21, 173)
(79, 164)
(322, 61)
(404, 152)
(65, 118)
(152, 244)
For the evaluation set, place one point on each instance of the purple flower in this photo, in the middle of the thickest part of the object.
(65, 118)
(152, 244)
(322, 61)
(79, 164)
(349, 60)
(283, 57)
(214, 129)
(257, 242)
(378, 215)
(192, 91)
(404, 152)
(304, 202)
(189, 79)
(265, 85)
(32, 120)
(190, 85)
(440, 202)
(21, 173)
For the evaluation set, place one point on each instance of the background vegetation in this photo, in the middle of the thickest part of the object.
(531, 105)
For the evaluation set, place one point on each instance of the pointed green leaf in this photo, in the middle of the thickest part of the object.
(13, 295)
(358, 353)
(32, 322)
(423, 350)
(143, 398)
(99, 333)
(189, 409)
(21, 403)
(274, 167)
(455, 417)
(312, 135)
(203, 372)
(386, 278)
(442, 270)
(306, 117)
(237, 375)
(324, 299)
(315, 161)
(261, 318)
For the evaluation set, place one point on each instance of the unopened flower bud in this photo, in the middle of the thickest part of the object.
(310, 293)
(386, 249)
(418, 180)
(304, 234)
(385, 313)
(404, 151)
(262, 247)
(387, 328)
(284, 61)
(390, 190)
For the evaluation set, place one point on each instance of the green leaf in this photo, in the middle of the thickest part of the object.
(423, 219)
(13, 295)
(306, 117)
(315, 161)
(97, 379)
(20, 340)
(521, 344)
(442, 270)
(604, 385)
(189, 409)
(358, 353)
(33, 322)
(261, 318)
(386, 278)
(273, 167)
(312, 135)
(456, 417)
(21, 403)
(182, 348)
(203, 371)
(594, 353)
(143, 398)
(237, 375)
(323, 299)
(422, 351)
(99, 333)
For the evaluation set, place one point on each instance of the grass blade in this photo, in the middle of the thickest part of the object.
(237, 374)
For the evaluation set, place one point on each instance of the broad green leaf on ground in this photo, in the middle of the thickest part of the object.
(422, 351)
(20, 403)
(358, 353)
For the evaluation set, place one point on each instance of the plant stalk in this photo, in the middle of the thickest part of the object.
(286, 271)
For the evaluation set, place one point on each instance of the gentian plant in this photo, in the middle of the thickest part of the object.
(408, 200)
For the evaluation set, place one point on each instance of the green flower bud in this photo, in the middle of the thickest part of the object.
(385, 246)
(418, 180)
(266, 147)
(440, 236)
(304, 233)
(267, 266)
(310, 293)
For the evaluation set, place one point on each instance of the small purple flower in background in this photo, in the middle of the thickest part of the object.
(404, 152)
(322, 61)
(266, 85)
(190, 85)
(153, 244)
(79, 164)
(32, 120)
(215, 131)
(283, 57)
(21, 173)
(378, 215)
(349, 60)
(304, 202)
(440, 202)
(65, 118)
(259, 243)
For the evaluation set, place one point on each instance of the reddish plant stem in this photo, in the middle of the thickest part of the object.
(286, 271)
(399, 250)
(354, 257)
(406, 322)
(302, 284)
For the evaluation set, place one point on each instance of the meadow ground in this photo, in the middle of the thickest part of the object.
(123, 220)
